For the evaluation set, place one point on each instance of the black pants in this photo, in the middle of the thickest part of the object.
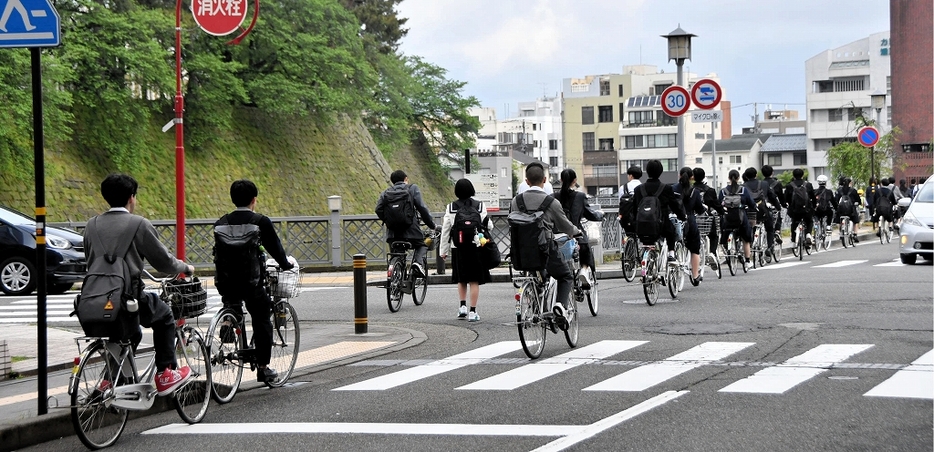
(420, 251)
(260, 309)
(155, 314)
(808, 220)
(765, 216)
(558, 270)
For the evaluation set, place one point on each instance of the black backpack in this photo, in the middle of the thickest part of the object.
(399, 208)
(531, 238)
(733, 205)
(845, 205)
(883, 205)
(238, 259)
(467, 223)
(758, 194)
(625, 206)
(101, 306)
(649, 213)
(823, 200)
(799, 198)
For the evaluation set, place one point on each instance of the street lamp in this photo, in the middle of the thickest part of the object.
(619, 154)
(877, 102)
(679, 49)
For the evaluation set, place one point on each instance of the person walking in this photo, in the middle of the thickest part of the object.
(466, 269)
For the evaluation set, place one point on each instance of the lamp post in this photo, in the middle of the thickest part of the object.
(679, 49)
(877, 103)
(619, 155)
(334, 205)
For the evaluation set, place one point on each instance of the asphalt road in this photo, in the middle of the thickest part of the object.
(813, 356)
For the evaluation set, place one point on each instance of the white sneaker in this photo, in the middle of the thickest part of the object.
(558, 310)
(418, 270)
(462, 312)
(472, 316)
(584, 280)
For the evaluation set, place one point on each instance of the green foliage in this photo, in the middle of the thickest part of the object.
(381, 27)
(785, 177)
(857, 162)
(439, 112)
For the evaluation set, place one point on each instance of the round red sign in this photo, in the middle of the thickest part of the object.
(675, 101)
(219, 17)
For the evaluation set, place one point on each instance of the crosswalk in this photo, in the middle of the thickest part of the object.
(914, 380)
(791, 261)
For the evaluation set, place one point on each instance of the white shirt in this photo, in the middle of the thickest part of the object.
(548, 189)
(631, 187)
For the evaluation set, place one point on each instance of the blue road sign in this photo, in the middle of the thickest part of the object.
(868, 136)
(29, 23)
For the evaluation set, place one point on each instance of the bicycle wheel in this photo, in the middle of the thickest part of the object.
(629, 260)
(649, 286)
(741, 255)
(593, 296)
(394, 282)
(883, 227)
(530, 322)
(776, 252)
(797, 248)
(419, 290)
(97, 422)
(285, 341)
(672, 274)
(730, 255)
(844, 227)
(887, 232)
(192, 399)
(704, 249)
(572, 331)
(225, 337)
(849, 237)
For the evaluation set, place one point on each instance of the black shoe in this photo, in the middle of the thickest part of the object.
(266, 375)
(228, 336)
(855, 240)
(778, 240)
(878, 233)
(696, 281)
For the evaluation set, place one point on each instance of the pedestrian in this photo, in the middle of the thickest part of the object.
(466, 269)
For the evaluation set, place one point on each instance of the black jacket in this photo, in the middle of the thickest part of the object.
(778, 190)
(267, 232)
(711, 200)
(414, 232)
(790, 192)
(578, 207)
(667, 199)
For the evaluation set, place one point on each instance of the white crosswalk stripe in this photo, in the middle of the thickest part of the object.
(843, 263)
(782, 377)
(915, 381)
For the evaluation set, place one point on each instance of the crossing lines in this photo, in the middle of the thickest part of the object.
(914, 381)
(797, 370)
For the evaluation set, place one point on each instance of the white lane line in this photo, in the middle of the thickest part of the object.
(896, 263)
(782, 265)
(531, 373)
(644, 377)
(433, 368)
(843, 263)
(782, 377)
(610, 422)
(915, 381)
(366, 428)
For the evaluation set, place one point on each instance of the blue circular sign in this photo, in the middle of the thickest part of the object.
(868, 136)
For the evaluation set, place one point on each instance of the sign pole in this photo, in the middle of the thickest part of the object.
(713, 147)
(179, 139)
(42, 341)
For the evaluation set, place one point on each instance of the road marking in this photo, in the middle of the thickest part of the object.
(784, 376)
(32, 396)
(433, 368)
(844, 263)
(782, 265)
(896, 263)
(649, 375)
(531, 373)
(915, 381)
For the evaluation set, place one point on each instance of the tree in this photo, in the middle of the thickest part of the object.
(439, 112)
(858, 162)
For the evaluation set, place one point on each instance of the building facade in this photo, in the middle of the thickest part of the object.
(912, 88)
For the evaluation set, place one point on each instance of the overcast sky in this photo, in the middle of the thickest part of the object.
(511, 51)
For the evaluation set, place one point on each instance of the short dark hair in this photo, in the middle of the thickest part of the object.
(654, 168)
(463, 189)
(886, 181)
(766, 170)
(242, 192)
(750, 173)
(397, 176)
(117, 189)
(798, 173)
(535, 173)
(634, 171)
(699, 175)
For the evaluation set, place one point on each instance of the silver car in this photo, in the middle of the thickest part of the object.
(917, 226)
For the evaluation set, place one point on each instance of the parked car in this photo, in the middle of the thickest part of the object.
(916, 231)
(64, 257)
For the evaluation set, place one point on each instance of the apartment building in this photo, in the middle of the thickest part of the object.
(839, 83)
(912, 93)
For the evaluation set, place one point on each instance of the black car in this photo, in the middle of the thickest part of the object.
(65, 261)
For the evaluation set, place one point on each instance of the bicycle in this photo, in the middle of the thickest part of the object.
(400, 279)
(105, 383)
(822, 233)
(733, 252)
(683, 258)
(578, 291)
(846, 231)
(758, 248)
(534, 316)
(776, 253)
(706, 223)
(230, 353)
(630, 257)
(885, 230)
(800, 246)
(654, 271)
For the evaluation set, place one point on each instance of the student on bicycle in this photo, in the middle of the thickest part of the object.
(848, 207)
(776, 186)
(765, 200)
(800, 208)
(884, 202)
(825, 202)
(410, 229)
(711, 201)
(693, 203)
(735, 218)
(237, 292)
(555, 219)
(119, 190)
(466, 268)
(576, 206)
(626, 192)
(669, 204)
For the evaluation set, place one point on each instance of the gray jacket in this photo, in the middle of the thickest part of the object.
(422, 214)
(554, 217)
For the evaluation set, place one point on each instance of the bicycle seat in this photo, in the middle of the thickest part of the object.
(400, 245)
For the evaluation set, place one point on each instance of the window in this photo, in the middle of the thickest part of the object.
(606, 113)
(553, 162)
(669, 164)
(552, 145)
(504, 171)
(774, 160)
(604, 170)
(588, 141)
(534, 126)
(720, 160)
(665, 120)
(620, 92)
(586, 115)
(849, 84)
(801, 158)
(641, 117)
(535, 144)
(823, 86)
(736, 159)
(635, 141)
(698, 160)
(606, 144)
(604, 87)
(660, 88)
(835, 115)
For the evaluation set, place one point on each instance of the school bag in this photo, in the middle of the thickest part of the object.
(758, 195)
(733, 205)
(799, 198)
(884, 206)
(399, 208)
(823, 200)
(845, 205)
(649, 213)
(531, 237)
(467, 223)
(625, 206)
(238, 260)
(101, 306)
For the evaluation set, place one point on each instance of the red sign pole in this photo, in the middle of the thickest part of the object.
(179, 139)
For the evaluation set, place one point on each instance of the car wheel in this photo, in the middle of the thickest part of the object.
(909, 258)
(17, 276)
(58, 289)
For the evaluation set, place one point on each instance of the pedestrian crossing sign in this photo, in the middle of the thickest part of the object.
(29, 23)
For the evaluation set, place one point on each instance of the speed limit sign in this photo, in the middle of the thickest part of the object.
(675, 101)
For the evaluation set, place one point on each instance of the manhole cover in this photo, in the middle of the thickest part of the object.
(699, 328)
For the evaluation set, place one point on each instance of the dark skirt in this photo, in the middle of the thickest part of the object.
(466, 266)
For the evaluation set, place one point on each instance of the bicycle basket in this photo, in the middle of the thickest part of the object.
(284, 284)
(188, 299)
(566, 247)
(704, 224)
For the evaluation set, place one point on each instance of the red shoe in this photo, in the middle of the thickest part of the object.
(169, 380)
